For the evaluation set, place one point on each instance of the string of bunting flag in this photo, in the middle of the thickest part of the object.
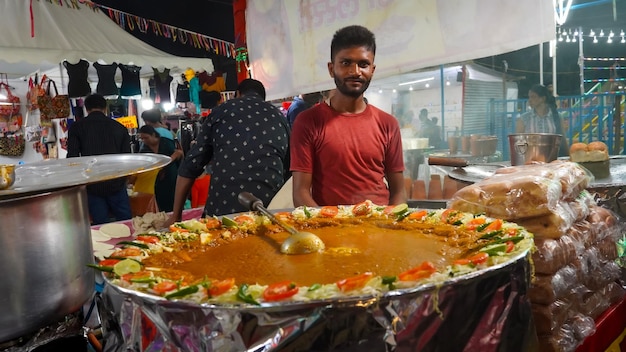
(183, 36)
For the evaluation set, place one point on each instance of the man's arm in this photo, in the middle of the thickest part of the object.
(397, 192)
(183, 186)
(302, 189)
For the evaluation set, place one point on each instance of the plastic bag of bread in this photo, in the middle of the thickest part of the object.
(554, 224)
(573, 178)
(604, 223)
(551, 316)
(581, 206)
(560, 340)
(551, 254)
(546, 289)
(582, 325)
(509, 197)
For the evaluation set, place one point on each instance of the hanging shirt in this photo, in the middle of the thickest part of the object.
(212, 82)
(106, 79)
(130, 80)
(162, 82)
(78, 85)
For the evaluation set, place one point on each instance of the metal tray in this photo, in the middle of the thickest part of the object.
(472, 174)
(60, 173)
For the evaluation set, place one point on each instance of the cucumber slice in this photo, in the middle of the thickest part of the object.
(495, 249)
(400, 209)
(228, 222)
(126, 266)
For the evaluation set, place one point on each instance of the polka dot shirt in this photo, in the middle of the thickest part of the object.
(246, 142)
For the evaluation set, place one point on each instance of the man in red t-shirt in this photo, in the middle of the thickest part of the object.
(344, 149)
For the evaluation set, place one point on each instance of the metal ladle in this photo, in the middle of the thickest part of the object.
(299, 242)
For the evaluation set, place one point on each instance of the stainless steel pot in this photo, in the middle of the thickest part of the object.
(529, 147)
(46, 243)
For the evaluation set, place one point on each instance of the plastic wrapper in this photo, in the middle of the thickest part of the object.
(607, 249)
(512, 197)
(526, 191)
(551, 254)
(551, 316)
(583, 235)
(552, 225)
(488, 311)
(594, 271)
(582, 325)
(604, 222)
(546, 289)
(562, 340)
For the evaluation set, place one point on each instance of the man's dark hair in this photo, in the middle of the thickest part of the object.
(351, 36)
(152, 115)
(147, 129)
(95, 101)
(251, 86)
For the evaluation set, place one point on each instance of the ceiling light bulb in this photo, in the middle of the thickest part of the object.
(568, 40)
(411, 88)
(448, 82)
(592, 33)
(380, 91)
(573, 39)
(621, 33)
(609, 40)
(576, 32)
(394, 91)
(602, 33)
(427, 85)
(623, 40)
(560, 39)
(611, 34)
(595, 39)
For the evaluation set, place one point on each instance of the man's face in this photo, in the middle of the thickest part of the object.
(352, 69)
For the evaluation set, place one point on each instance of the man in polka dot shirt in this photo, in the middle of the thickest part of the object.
(246, 142)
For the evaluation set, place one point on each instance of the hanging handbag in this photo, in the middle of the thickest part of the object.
(12, 144)
(11, 104)
(35, 90)
(46, 109)
(60, 102)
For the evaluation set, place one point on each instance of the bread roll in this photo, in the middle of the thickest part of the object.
(592, 152)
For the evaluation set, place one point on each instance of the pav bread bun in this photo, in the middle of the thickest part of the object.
(592, 152)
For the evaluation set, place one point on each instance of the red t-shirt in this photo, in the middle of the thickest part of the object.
(347, 154)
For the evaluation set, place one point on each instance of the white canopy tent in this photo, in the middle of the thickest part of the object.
(57, 33)
(289, 41)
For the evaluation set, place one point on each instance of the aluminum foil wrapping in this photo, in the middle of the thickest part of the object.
(484, 311)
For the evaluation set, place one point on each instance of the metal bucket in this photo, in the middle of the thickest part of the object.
(528, 147)
(46, 244)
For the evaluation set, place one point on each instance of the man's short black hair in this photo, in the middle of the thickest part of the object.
(147, 129)
(251, 86)
(95, 102)
(351, 36)
(152, 115)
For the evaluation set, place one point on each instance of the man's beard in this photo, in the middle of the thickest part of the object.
(351, 92)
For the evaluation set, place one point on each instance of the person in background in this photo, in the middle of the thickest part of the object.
(301, 103)
(246, 142)
(544, 117)
(434, 135)
(343, 150)
(152, 118)
(165, 181)
(97, 134)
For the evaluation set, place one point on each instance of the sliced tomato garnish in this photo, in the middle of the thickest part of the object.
(388, 209)
(354, 282)
(479, 258)
(512, 232)
(108, 262)
(137, 275)
(127, 252)
(243, 219)
(362, 208)
(176, 228)
(148, 239)
(164, 287)
(494, 226)
(212, 223)
(510, 246)
(329, 211)
(463, 261)
(280, 291)
(418, 215)
(426, 269)
(475, 223)
(283, 215)
(450, 216)
(219, 287)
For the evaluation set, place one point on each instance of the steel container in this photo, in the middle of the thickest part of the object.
(529, 147)
(46, 244)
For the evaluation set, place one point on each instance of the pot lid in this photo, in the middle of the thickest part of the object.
(60, 173)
